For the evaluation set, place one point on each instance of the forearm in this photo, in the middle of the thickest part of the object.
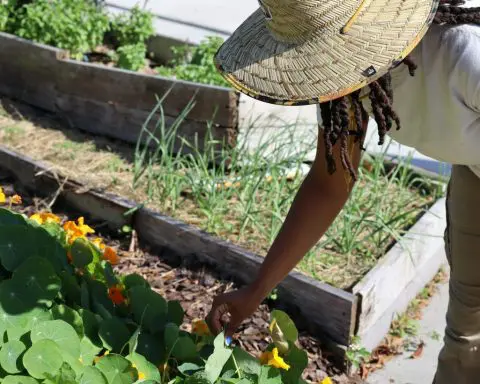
(313, 211)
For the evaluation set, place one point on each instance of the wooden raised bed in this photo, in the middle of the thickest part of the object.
(110, 101)
(325, 311)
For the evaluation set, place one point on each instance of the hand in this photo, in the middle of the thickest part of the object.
(239, 304)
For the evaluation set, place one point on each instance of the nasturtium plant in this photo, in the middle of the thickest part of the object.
(67, 317)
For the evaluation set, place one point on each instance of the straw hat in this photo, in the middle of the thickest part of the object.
(296, 52)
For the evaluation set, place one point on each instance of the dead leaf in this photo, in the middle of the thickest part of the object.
(419, 351)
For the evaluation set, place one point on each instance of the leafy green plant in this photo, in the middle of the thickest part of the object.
(356, 354)
(132, 57)
(75, 25)
(195, 63)
(134, 27)
(66, 317)
(7, 7)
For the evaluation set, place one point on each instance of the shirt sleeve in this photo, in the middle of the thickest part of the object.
(461, 50)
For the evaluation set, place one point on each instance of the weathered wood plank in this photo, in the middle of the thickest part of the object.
(318, 307)
(139, 91)
(398, 277)
(37, 177)
(110, 101)
(123, 123)
(27, 71)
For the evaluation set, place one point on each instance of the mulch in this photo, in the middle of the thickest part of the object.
(193, 286)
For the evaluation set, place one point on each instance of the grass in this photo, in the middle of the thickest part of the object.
(242, 194)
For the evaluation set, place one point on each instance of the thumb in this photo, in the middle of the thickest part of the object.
(233, 324)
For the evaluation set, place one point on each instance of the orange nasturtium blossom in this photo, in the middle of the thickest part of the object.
(16, 199)
(45, 218)
(3, 198)
(115, 293)
(273, 359)
(110, 255)
(326, 380)
(200, 328)
(76, 230)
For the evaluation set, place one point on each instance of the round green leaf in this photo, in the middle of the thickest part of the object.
(61, 333)
(92, 375)
(135, 280)
(197, 378)
(117, 369)
(43, 356)
(19, 380)
(39, 280)
(8, 217)
(21, 242)
(114, 334)
(286, 325)
(171, 335)
(14, 304)
(184, 349)
(149, 370)
(91, 326)
(149, 308)
(151, 348)
(10, 356)
(66, 375)
(88, 351)
(82, 253)
(70, 316)
(175, 312)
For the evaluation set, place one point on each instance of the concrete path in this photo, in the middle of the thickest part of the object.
(402, 369)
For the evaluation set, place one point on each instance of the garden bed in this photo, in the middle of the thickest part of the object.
(94, 96)
(188, 283)
(102, 165)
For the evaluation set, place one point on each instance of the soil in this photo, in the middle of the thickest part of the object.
(194, 287)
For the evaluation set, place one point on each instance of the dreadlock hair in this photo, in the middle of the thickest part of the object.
(335, 114)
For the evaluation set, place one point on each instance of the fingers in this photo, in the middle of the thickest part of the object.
(214, 318)
(233, 325)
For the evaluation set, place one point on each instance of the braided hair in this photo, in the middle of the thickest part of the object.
(335, 114)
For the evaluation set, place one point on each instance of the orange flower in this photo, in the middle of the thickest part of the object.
(111, 256)
(200, 328)
(75, 231)
(16, 199)
(116, 294)
(45, 217)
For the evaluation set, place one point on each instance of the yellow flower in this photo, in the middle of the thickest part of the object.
(45, 217)
(273, 359)
(98, 242)
(3, 198)
(83, 227)
(200, 328)
(141, 375)
(16, 199)
(326, 380)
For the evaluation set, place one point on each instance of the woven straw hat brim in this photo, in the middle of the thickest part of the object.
(328, 64)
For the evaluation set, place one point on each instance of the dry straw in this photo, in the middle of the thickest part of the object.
(295, 52)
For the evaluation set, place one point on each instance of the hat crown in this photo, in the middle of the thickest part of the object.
(293, 21)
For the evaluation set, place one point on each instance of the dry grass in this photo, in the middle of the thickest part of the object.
(376, 215)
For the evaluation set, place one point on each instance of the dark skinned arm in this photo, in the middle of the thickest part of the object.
(316, 205)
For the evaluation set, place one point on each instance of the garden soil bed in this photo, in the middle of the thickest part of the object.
(191, 284)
